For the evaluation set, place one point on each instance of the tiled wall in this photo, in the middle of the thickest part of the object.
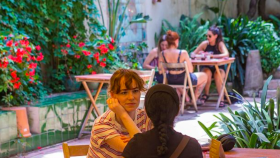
(52, 121)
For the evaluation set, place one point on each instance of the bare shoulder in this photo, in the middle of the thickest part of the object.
(204, 43)
(184, 52)
(154, 51)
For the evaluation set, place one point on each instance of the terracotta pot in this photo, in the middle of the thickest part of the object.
(22, 121)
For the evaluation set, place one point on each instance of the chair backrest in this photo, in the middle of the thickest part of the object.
(166, 66)
(147, 72)
(74, 150)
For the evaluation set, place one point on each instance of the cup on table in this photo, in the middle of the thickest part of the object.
(208, 55)
(192, 55)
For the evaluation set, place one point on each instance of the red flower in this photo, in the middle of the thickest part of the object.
(93, 72)
(9, 43)
(112, 40)
(75, 37)
(4, 64)
(28, 49)
(77, 56)
(102, 64)
(25, 38)
(111, 47)
(86, 53)
(33, 58)
(64, 52)
(96, 55)
(14, 74)
(70, 67)
(26, 74)
(89, 66)
(24, 43)
(16, 44)
(68, 45)
(40, 57)
(17, 85)
(5, 38)
(38, 48)
(103, 49)
(32, 65)
(81, 44)
(32, 72)
(104, 59)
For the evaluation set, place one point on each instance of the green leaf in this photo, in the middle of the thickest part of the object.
(205, 129)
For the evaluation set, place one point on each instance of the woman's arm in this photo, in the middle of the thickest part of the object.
(187, 59)
(117, 142)
(149, 58)
(224, 51)
(160, 59)
(201, 47)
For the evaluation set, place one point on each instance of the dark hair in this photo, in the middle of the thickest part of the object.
(171, 37)
(162, 106)
(129, 76)
(161, 39)
(217, 31)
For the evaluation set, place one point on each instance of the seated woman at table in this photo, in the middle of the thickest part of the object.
(174, 55)
(214, 44)
(151, 61)
(162, 106)
(112, 129)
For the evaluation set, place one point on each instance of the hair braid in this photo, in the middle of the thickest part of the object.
(163, 138)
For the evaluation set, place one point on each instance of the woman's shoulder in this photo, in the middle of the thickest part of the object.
(204, 43)
(105, 117)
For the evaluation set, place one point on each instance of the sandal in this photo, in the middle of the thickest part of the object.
(222, 104)
(204, 98)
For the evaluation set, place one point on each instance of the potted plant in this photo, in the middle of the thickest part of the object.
(20, 84)
(253, 126)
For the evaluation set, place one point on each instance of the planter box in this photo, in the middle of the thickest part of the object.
(63, 115)
(8, 126)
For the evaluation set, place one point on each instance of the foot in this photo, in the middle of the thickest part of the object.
(204, 98)
(222, 104)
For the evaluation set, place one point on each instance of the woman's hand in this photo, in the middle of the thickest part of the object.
(125, 139)
(115, 106)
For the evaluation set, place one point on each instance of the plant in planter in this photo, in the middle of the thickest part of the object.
(79, 58)
(252, 127)
(19, 60)
(266, 39)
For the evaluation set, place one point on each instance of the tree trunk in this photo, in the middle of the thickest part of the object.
(261, 9)
(252, 8)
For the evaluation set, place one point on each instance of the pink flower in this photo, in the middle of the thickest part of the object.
(68, 45)
(104, 59)
(40, 57)
(32, 65)
(93, 72)
(89, 66)
(16, 44)
(5, 38)
(86, 53)
(81, 44)
(32, 72)
(75, 37)
(112, 40)
(77, 56)
(38, 48)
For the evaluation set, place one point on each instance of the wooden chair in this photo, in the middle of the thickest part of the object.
(148, 85)
(74, 150)
(184, 65)
(147, 72)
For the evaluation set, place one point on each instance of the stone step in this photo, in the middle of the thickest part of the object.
(273, 84)
(269, 94)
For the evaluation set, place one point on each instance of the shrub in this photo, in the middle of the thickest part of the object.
(19, 68)
(253, 126)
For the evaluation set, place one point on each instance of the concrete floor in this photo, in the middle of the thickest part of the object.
(186, 124)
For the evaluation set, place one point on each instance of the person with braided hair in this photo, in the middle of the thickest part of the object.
(162, 106)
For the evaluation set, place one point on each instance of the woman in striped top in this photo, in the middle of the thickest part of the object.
(112, 130)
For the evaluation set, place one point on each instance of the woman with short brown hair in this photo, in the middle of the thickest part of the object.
(112, 129)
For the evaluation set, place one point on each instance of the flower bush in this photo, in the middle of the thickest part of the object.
(19, 67)
(80, 58)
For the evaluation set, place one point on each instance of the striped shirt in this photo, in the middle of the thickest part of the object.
(106, 127)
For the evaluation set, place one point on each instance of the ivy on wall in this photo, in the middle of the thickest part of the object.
(51, 23)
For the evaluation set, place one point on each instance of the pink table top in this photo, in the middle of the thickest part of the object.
(102, 78)
(213, 61)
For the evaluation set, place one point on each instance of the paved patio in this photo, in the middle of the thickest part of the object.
(186, 124)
